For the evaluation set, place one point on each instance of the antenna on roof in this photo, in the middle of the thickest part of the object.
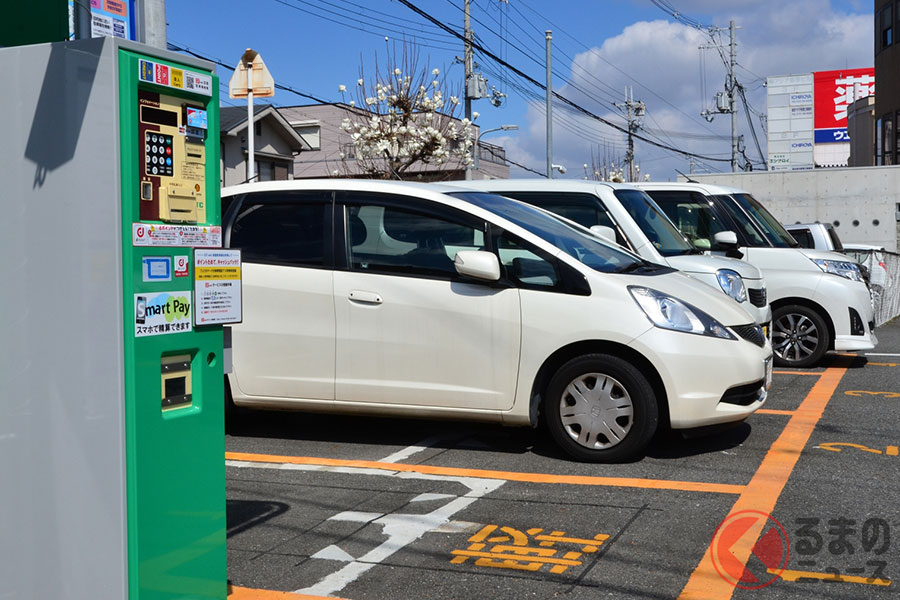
(689, 180)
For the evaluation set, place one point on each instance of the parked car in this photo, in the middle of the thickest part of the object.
(817, 236)
(819, 299)
(414, 300)
(631, 218)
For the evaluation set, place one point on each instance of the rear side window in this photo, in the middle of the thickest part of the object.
(803, 237)
(835, 240)
(281, 232)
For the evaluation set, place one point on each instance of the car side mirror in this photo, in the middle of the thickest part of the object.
(729, 242)
(478, 264)
(607, 233)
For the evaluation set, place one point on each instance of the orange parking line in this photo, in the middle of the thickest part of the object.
(830, 577)
(774, 411)
(656, 484)
(796, 373)
(766, 486)
(242, 593)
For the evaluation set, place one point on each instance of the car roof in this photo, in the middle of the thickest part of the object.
(796, 225)
(338, 184)
(536, 184)
(709, 188)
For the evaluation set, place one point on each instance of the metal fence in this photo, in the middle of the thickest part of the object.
(884, 281)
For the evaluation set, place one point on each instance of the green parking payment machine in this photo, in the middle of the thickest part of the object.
(115, 289)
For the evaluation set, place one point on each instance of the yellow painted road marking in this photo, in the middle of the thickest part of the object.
(796, 373)
(881, 364)
(866, 393)
(834, 447)
(766, 485)
(774, 411)
(633, 482)
(892, 450)
(795, 575)
(242, 593)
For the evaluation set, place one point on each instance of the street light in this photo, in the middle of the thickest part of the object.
(478, 150)
(560, 168)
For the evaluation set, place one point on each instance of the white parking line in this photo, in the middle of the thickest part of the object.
(882, 354)
(400, 529)
(415, 448)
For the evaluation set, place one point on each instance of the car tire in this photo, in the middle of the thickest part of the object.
(800, 337)
(600, 408)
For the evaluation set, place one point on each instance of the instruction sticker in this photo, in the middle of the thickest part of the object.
(196, 236)
(217, 286)
(162, 313)
(160, 74)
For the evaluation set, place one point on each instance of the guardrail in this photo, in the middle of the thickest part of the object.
(884, 281)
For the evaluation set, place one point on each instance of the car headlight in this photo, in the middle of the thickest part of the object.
(847, 269)
(668, 312)
(732, 284)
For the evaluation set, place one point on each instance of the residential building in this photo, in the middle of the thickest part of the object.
(275, 144)
(331, 152)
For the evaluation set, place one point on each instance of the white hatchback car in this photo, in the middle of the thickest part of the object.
(417, 300)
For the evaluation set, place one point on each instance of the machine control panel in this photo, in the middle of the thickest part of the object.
(172, 134)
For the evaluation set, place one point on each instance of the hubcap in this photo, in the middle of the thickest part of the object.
(596, 411)
(794, 337)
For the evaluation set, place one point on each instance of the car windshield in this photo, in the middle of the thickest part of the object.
(661, 232)
(770, 226)
(579, 244)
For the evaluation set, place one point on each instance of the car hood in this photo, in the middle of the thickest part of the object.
(696, 293)
(824, 255)
(705, 263)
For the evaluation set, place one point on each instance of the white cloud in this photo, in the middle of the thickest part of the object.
(661, 60)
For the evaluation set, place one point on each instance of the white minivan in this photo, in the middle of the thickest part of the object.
(633, 219)
(819, 299)
(414, 300)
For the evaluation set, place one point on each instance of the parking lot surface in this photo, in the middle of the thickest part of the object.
(800, 501)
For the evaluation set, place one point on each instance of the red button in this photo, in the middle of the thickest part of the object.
(169, 150)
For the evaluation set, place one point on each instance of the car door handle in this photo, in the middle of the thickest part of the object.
(365, 297)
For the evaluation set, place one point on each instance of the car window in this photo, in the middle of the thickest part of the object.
(664, 236)
(385, 238)
(694, 216)
(276, 230)
(578, 243)
(835, 240)
(745, 226)
(803, 237)
(585, 209)
(771, 227)
(525, 265)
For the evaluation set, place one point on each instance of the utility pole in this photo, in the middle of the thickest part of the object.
(726, 102)
(548, 35)
(467, 102)
(633, 110)
(732, 107)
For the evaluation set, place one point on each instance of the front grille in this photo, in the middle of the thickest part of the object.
(745, 395)
(751, 333)
(757, 297)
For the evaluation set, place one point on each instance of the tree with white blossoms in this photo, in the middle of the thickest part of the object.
(610, 167)
(402, 120)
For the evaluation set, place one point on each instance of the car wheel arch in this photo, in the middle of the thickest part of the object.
(563, 355)
(818, 308)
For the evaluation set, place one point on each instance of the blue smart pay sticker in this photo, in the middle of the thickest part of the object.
(157, 268)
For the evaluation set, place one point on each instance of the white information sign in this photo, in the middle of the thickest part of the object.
(160, 313)
(217, 286)
(195, 236)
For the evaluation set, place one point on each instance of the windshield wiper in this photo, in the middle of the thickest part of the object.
(640, 266)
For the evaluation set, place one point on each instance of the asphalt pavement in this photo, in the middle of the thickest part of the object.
(800, 501)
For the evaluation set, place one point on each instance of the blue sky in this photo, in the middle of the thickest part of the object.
(599, 48)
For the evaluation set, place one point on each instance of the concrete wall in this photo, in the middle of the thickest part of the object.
(862, 203)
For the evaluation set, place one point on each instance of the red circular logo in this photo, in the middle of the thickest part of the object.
(767, 558)
(140, 232)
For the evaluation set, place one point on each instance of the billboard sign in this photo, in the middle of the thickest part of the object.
(833, 95)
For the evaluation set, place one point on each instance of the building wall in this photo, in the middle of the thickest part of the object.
(861, 128)
(862, 203)
(887, 61)
(269, 143)
(320, 125)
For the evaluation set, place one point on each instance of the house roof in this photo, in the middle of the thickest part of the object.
(233, 119)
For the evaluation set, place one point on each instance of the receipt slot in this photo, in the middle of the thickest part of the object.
(111, 416)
